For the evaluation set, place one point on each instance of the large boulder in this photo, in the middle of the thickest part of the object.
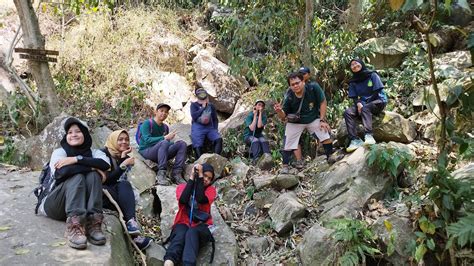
(401, 228)
(457, 59)
(226, 245)
(213, 75)
(263, 181)
(141, 176)
(317, 247)
(465, 173)
(387, 126)
(285, 211)
(183, 132)
(28, 238)
(170, 88)
(265, 198)
(345, 188)
(99, 136)
(217, 161)
(387, 52)
(285, 181)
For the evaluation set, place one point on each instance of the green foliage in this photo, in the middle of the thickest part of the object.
(425, 239)
(8, 153)
(234, 145)
(462, 231)
(265, 227)
(356, 238)
(388, 158)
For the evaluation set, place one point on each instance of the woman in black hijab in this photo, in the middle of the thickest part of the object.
(77, 196)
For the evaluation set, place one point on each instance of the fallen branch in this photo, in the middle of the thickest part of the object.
(122, 222)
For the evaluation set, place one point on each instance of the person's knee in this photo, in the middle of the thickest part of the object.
(348, 113)
(366, 109)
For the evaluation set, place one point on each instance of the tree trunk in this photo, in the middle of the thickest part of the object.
(305, 41)
(33, 39)
(355, 14)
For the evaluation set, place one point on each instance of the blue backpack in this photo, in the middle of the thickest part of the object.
(138, 134)
(46, 184)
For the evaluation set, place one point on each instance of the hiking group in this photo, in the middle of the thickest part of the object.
(78, 174)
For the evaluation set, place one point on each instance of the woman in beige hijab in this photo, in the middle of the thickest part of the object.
(117, 148)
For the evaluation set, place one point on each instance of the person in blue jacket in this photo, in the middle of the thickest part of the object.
(366, 90)
(204, 123)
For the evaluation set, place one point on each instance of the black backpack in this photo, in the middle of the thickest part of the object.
(46, 184)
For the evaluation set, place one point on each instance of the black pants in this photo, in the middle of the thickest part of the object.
(351, 114)
(79, 195)
(122, 193)
(185, 243)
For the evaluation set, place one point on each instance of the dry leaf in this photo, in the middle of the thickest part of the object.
(396, 4)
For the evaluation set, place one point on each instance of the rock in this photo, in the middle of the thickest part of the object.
(235, 122)
(226, 245)
(388, 52)
(169, 52)
(155, 254)
(250, 209)
(283, 181)
(213, 75)
(239, 168)
(425, 121)
(445, 71)
(265, 162)
(403, 232)
(232, 196)
(183, 132)
(265, 198)
(99, 136)
(263, 181)
(346, 187)
(258, 245)
(28, 238)
(170, 88)
(465, 173)
(457, 59)
(217, 161)
(317, 247)
(141, 176)
(426, 97)
(387, 126)
(193, 51)
(284, 211)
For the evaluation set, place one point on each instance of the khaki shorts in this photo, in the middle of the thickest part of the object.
(293, 133)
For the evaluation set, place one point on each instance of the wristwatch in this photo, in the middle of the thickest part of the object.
(79, 158)
(123, 167)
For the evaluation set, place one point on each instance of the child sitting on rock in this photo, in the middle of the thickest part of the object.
(253, 133)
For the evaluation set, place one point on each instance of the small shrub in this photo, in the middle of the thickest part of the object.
(388, 158)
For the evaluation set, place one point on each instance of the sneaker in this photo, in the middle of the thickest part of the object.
(284, 169)
(168, 263)
(161, 178)
(177, 178)
(299, 164)
(369, 139)
(334, 158)
(132, 227)
(142, 242)
(355, 144)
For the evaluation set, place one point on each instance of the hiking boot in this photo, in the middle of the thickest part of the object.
(177, 177)
(168, 263)
(142, 242)
(75, 233)
(334, 158)
(355, 144)
(369, 139)
(94, 229)
(161, 178)
(284, 170)
(132, 227)
(299, 164)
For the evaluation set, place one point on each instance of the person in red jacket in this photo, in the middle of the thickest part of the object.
(194, 200)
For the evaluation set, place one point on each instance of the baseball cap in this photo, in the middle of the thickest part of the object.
(201, 94)
(163, 105)
(304, 70)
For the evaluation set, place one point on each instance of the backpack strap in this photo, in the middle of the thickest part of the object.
(150, 121)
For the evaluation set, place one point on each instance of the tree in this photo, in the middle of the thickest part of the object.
(33, 39)
(306, 32)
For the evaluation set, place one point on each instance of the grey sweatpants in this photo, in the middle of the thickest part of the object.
(79, 195)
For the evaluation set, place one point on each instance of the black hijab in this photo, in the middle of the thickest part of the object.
(85, 148)
(363, 73)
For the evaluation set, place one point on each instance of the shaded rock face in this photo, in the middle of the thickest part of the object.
(284, 211)
(258, 245)
(285, 181)
(263, 181)
(183, 132)
(389, 52)
(226, 245)
(387, 126)
(264, 199)
(348, 185)
(32, 239)
(223, 88)
(457, 59)
(426, 96)
(141, 176)
(403, 235)
(239, 168)
(317, 247)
